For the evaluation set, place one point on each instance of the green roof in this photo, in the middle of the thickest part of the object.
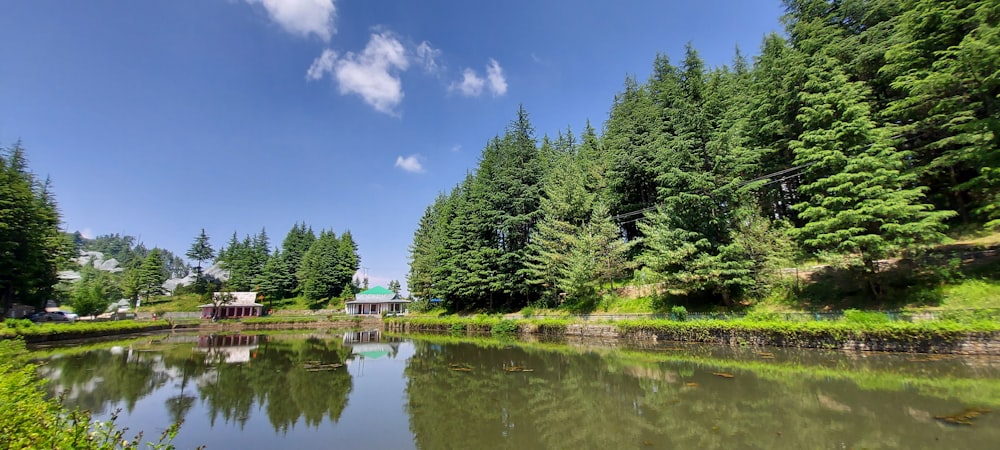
(377, 290)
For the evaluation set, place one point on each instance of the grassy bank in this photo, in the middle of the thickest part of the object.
(30, 420)
(857, 326)
(33, 332)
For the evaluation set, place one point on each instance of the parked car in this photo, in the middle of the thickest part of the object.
(56, 316)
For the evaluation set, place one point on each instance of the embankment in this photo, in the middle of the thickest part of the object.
(893, 337)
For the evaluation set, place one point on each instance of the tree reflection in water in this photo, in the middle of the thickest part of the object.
(233, 376)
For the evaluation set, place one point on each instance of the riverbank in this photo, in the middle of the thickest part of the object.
(978, 338)
(937, 336)
(33, 333)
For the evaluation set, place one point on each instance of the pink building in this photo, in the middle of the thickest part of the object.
(244, 304)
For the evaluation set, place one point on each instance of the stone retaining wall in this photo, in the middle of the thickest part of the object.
(957, 343)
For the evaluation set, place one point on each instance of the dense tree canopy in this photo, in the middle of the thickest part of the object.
(31, 244)
(866, 132)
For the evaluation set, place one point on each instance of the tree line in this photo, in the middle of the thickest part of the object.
(867, 132)
(314, 266)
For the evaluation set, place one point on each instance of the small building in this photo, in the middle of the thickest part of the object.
(376, 301)
(244, 304)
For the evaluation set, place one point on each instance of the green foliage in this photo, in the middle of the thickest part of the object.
(18, 323)
(151, 275)
(31, 245)
(79, 329)
(860, 200)
(679, 313)
(30, 420)
(865, 318)
(504, 328)
(201, 250)
(856, 135)
(328, 266)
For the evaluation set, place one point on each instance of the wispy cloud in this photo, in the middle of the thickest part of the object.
(428, 57)
(498, 84)
(472, 84)
(322, 65)
(410, 163)
(302, 17)
(456, 148)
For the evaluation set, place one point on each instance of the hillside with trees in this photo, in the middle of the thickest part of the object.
(865, 133)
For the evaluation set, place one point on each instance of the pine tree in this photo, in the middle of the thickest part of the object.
(630, 136)
(701, 167)
(201, 250)
(151, 275)
(31, 245)
(945, 67)
(294, 247)
(276, 281)
(319, 275)
(348, 260)
(859, 200)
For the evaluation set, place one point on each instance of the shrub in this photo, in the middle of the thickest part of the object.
(679, 313)
(527, 312)
(18, 323)
(504, 327)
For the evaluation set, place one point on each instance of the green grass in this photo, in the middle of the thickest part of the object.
(173, 303)
(80, 329)
(613, 304)
(968, 294)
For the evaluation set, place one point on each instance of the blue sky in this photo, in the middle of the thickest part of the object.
(160, 118)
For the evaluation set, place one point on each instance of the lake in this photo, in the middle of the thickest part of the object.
(362, 389)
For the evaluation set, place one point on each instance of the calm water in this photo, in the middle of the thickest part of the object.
(362, 390)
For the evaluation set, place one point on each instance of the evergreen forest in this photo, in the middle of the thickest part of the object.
(864, 133)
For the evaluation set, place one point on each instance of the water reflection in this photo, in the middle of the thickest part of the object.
(464, 395)
(233, 377)
(361, 389)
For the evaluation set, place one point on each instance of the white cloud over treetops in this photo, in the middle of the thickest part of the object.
(410, 163)
(471, 84)
(302, 17)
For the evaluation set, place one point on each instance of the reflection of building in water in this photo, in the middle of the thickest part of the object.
(370, 344)
(235, 348)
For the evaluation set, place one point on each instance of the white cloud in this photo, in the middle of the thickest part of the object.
(471, 84)
(498, 84)
(410, 163)
(456, 148)
(428, 57)
(302, 17)
(322, 65)
(372, 74)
